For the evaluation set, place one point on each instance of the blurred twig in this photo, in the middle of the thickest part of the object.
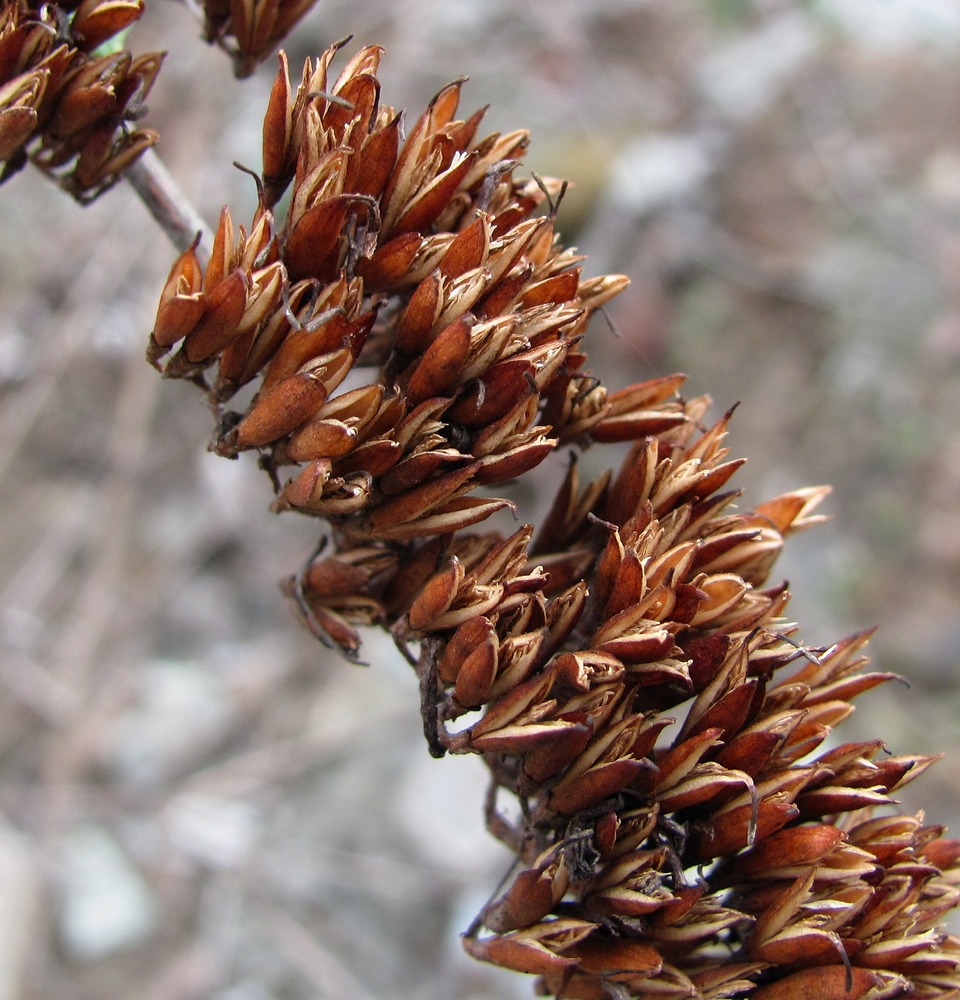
(324, 970)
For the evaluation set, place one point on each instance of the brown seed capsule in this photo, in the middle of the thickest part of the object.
(520, 953)
(828, 982)
(322, 439)
(220, 322)
(421, 313)
(441, 364)
(532, 895)
(421, 499)
(437, 596)
(306, 489)
(281, 409)
(181, 301)
(455, 515)
(94, 21)
(315, 247)
(278, 152)
(477, 671)
(468, 251)
(618, 960)
(16, 126)
(513, 463)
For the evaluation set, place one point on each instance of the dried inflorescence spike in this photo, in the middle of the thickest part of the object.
(686, 826)
(684, 831)
(725, 837)
(65, 105)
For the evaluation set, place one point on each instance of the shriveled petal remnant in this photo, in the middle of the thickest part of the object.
(684, 827)
(66, 105)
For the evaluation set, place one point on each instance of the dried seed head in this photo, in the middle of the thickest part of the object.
(249, 31)
(630, 676)
(740, 844)
(420, 257)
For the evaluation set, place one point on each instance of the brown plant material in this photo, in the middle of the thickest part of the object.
(65, 103)
(423, 258)
(684, 827)
(250, 30)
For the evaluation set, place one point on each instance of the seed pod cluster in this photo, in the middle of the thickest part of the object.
(421, 260)
(660, 741)
(64, 104)
(679, 828)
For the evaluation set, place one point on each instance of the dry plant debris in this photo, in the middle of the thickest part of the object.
(684, 824)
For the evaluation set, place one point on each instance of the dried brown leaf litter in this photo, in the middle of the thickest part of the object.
(660, 741)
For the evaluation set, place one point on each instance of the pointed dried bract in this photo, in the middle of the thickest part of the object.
(685, 824)
(62, 106)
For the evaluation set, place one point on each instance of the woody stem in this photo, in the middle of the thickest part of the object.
(167, 203)
(430, 697)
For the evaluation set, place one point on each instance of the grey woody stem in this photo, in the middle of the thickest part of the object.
(167, 203)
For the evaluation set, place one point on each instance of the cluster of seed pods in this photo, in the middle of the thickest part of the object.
(64, 104)
(421, 260)
(658, 738)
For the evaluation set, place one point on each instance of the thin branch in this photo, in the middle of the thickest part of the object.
(318, 963)
(167, 203)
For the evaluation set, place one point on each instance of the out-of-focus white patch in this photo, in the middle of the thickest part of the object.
(214, 830)
(658, 170)
(16, 361)
(439, 807)
(896, 25)
(247, 990)
(746, 76)
(183, 708)
(105, 905)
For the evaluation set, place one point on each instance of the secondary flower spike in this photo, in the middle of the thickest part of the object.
(251, 30)
(66, 105)
(660, 741)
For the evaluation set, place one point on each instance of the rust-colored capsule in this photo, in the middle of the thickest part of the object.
(281, 409)
(439, 367)
(223, 310)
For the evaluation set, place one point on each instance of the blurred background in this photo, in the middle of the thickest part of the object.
(196, 799)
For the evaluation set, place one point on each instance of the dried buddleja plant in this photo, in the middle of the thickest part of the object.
(410, 331)
(625, 669)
